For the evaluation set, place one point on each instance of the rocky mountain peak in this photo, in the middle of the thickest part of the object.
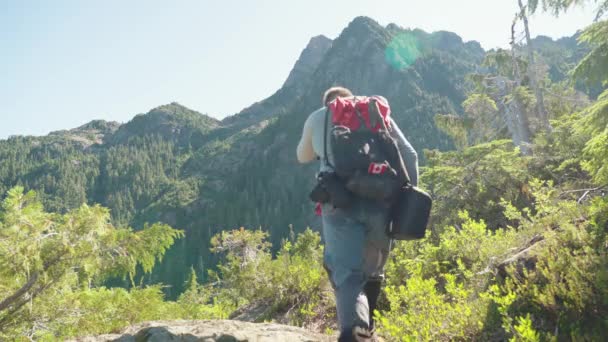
(363, 36)
(363, 29)
(297, 83)
(309, 59)
(358, 24)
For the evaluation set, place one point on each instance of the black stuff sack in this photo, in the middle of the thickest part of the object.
(410, 214)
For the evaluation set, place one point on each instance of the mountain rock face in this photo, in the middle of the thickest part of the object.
(295, 86)
(202, 175)
(210, 331)
(92, 133)
(309, 60)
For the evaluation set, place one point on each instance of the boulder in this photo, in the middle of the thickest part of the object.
(210, 331)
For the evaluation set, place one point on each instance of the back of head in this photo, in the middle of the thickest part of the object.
(334, 92)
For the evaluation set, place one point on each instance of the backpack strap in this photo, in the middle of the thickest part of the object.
(375, 117)
(325, 138)
(362, 124)
(400, 167)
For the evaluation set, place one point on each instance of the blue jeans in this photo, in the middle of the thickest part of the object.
(356, 250)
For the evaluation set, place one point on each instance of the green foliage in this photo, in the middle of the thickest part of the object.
(562, 100)
(480, 107)
(436, 288)
(420, 312)
(568, 286)
(470, 284)
(135, 174)
(527, 259)
(57, 167)
(481, 122)
(501, 62)
(455, 127)
(594, 125)
(555, 6)
(475, 180)
(43, 255)
(560, 6)
(593, 68)
(95, 311)
(525, 331)
(293, 284)
(197, 303)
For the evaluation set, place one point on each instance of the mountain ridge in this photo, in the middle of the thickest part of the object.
(321, 39)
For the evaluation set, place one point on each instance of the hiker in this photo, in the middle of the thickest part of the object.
(356, 242)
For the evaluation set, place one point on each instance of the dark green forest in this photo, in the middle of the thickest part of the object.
(176, 215)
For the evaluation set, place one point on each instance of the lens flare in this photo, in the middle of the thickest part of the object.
(402, 51)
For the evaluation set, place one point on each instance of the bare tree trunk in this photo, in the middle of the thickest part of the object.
(540, 103)
(515, 118)
(516, 71)
(8, 301)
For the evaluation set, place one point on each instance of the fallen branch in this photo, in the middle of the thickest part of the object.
(579, 190)
(583, 197)
(586, 192)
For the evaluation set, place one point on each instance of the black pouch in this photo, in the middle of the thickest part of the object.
(319, 194)
(330, 188)
(410, 214)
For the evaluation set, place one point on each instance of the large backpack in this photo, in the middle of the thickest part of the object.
(365, 156)
(367, 160)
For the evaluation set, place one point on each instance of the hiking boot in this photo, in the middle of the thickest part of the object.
(358, 334)
(372, 289)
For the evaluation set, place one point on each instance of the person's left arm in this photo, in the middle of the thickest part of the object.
(408, 153)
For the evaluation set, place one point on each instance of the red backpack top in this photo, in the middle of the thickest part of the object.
(344, 112)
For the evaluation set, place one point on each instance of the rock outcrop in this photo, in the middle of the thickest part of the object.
(210, 331)
(309, 60)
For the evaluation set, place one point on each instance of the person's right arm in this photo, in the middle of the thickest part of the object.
(409, 155)
(305, 150)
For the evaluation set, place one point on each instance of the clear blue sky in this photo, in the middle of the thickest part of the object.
(64, 63)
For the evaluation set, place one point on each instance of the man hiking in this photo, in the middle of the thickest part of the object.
(356, 242)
